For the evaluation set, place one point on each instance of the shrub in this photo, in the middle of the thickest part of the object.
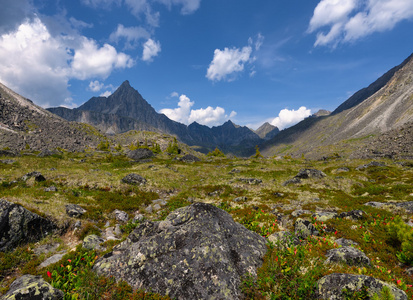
(402, 234)
(173, 147)
(216, 153)
(103, 146)
(257, 152)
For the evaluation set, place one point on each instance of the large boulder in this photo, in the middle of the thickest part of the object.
(74, 210)
(141, 153)
(331, 286)
(304, 228)
(310, 173)
(134, 179)
(197, 252)
(18, 225)
(347, 255)
(29, 287)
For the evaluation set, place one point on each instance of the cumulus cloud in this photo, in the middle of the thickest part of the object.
(349, 20)
(150, 50)
(287, 118)
(96, 86)
(230, 62)
(206, 116)
(13, 13)
(131, 35)
(39, 65)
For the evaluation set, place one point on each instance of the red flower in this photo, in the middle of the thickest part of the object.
(69, 260)
(49, 274)
(335, 232)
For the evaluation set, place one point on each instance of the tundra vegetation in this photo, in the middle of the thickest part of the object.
(250, 190)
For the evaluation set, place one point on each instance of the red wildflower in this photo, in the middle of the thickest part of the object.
(49, 274)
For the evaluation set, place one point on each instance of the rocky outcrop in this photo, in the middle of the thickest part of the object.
(18, 225)
(197, 252)
(141, 153)
(29, 287)
(267, 131)
(134, 179)
(74, 211)
(331, 287)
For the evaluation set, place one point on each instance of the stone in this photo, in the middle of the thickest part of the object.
(406, 205)
(92, 241)
(234, 171)
(37, 176)
(374, 204)
(348, 255)
(51, 189)
(197, 252)
(345, 242)
(134, 179)
(51, 260)
(371, 164)
(353, 215)
(159, 201)
(310, 173)
(283, 239)
(330, 287)
(7, 161)
(157, 207)
(48, 152)
(149, 209)
(240, 199)
(138, 217)
(189, 158)
(7, 153)
(324, 216)
(19, 225)
(29, 287)
(292, 181)
(44, 249)
(78, 224)
(251, 180)
(141, 153)
(74, 211)
(117, 230)
(342, 170)
(304, 228)
(120, 216)
(300, 212)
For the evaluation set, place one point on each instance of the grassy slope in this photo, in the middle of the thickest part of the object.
(93, 180)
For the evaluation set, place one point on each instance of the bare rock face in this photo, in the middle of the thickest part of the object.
(331, 286)
(197, 252)
(29, 287)
(18, 225)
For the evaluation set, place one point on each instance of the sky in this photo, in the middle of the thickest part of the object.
(205, 61)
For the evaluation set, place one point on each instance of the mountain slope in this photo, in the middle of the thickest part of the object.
(267, 131)
(388, 108)
(24, 124)
(126, 110)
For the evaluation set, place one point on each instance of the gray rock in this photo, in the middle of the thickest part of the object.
(51, 189)
(120, 216)
(44, 249)
(353, 215)
(37, 176)
(292, 181)
(134, 179)
(304, 228)
(342, 170)
(141, 153)
(349, 255)
(251, 180)
(159, 201)
(240, 199)
(331, 287)
(78, 224)
(234, 171)
(310, 173)
(74, 210)
(157, 207)
(409, 271)
(51, 260)
(18, 225)
(283, 239)
(197, 252)
(374, 204)
(345, 242)
(406, 205)
(371, 164)
(7, 161)
(189, 158)
(149, 209)
(29, 287)
(92, 241)
(138, 217)
(8, 153)
(324, 216)
(300, 212)
(47, 152)
(117, 230)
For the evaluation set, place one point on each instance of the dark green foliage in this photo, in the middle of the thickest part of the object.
(173, 147)
(103, 146)
(216, 153)
(402, 234)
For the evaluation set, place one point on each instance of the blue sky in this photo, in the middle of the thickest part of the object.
(204, 60)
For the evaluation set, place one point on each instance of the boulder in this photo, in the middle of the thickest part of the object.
(374, 204)
(197, 252)
(189, 158)
(134, 179)
(304, 228)
(141, 153)
(310, 173)
(342, 170)
(331, 286)
(371, 164)
(324, 216)
(240, 199)
(348, 255)
(51, 188)
(51, 260)
(120, 216)
(18, 225)
(92, 241)
(406, 205)
(37, 176)
(345, 242)
(251, 180)
(29, 287)
(353, 215)
(74, 210)
(294, 180)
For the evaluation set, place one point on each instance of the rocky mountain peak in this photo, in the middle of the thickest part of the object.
(267, 131)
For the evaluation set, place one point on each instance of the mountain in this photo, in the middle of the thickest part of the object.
(25, 125)
(386, 105)
(126, 110)
(267, 131)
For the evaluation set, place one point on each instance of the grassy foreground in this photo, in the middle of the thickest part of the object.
(93, 180)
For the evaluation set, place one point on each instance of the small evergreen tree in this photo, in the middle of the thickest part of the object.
(173, 147)
(257, 152)
(216, 153)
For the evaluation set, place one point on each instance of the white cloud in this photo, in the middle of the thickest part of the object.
(39, 65)
(287, 118)
(96, 86)
(174, 94)
(101, 3)
(227, 62)
(349, 20)
(130, 34)
(188, 6)
(206, 116)
(106, 94)
(90, 60)
(13, 13)
(150, 50)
